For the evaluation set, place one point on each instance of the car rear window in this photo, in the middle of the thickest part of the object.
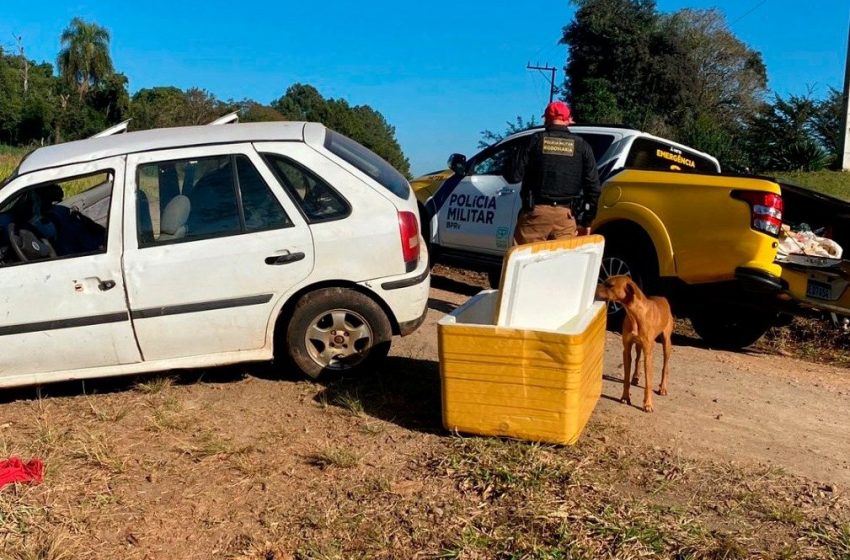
(651, 154)
(368, 162)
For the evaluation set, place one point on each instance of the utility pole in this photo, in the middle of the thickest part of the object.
(20, 41)
(547, 68)
(844, 152)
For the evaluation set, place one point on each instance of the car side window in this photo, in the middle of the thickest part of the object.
(599, 143)
(317, 200)
(59, 219)
(262, 210)
(498, 162)
(202, 198)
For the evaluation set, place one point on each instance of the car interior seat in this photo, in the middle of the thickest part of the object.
(214, 206)
(144, 224)
(172, 224)
(169, 185)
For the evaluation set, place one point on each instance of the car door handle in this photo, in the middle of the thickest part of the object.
(505, 191)
(285, 258)
(105, 285)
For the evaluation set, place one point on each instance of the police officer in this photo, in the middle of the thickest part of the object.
(559, 177)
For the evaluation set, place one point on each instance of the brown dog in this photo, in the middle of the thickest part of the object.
(647, 318)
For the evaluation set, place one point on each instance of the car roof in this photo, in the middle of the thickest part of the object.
(91, 149)
(609, 129)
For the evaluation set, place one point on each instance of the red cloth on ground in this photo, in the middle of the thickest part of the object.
(15, 470)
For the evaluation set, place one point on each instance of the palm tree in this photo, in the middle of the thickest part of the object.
(84, 59)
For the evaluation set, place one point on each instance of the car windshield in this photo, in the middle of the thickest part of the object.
(368, 162)
(11, 176)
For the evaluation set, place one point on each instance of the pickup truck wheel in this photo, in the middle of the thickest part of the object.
(730, 328)
(337, 330)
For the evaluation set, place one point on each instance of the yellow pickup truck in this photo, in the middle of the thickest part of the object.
(671, 220)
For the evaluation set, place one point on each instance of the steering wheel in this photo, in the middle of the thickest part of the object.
(27, 246)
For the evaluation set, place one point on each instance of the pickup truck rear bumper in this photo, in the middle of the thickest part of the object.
(759, 280)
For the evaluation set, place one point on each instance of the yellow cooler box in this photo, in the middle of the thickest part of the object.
(525, 361)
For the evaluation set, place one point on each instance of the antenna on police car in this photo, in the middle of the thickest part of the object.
(547, 68)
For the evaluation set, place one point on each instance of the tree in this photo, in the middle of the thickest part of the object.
(156, 107)
(780, 137)
(201, 107)
(725, 78)
(488, 137)
(683, 75)
(111, 99)
(84, 60)
(252, 111)
(617, 44)
(361, 123)
(826, 124)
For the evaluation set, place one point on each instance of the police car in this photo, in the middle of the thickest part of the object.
(202, 246)
(469, 211)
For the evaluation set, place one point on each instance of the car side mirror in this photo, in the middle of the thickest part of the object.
(457, 163)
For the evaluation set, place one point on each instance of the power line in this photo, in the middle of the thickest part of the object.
(547, 68)
(748, 12)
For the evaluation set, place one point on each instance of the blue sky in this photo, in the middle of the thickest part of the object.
(440, 71)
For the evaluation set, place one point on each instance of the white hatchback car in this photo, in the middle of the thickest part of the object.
(201, 246)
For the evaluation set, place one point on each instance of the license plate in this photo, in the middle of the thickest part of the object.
(819, 290)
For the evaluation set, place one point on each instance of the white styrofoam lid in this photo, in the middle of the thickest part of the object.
(547, 284)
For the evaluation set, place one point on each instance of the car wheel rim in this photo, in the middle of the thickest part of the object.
(614, 266)
(338, 339)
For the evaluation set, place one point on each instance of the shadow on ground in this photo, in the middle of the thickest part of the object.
(455, 286)
(123, 383)
(441, 306)
(404, 391)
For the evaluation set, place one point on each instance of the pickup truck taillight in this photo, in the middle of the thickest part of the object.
(766, 210)
(409, 229)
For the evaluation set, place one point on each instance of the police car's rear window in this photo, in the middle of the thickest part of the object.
(368, 162)
(651, 154)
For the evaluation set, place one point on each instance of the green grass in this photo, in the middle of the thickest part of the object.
(834, 183)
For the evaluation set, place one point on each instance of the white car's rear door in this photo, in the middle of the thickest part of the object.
(212, 244)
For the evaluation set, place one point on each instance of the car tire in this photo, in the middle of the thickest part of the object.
(730, 327)
(635, 261)
(337, 330)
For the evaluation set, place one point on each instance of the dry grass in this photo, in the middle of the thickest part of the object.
(233, 483)
(96, 450)
(335, 456)
(815, 340)
(615, 501)
(154, 385)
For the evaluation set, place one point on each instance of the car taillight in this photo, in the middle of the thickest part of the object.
(409, 229)
(766, 210)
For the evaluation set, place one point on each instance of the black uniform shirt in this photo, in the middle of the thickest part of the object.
(558, 166)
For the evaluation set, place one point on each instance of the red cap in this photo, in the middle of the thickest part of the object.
(558, 110)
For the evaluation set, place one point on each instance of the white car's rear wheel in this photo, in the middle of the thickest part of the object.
(337, 330)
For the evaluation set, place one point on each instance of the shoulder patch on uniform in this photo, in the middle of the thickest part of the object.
(559, 146)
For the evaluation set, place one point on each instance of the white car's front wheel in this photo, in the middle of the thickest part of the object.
(339, 330)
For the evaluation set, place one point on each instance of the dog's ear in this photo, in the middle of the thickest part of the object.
(630, 293)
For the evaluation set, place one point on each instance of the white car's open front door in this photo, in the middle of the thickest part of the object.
(69, 312)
